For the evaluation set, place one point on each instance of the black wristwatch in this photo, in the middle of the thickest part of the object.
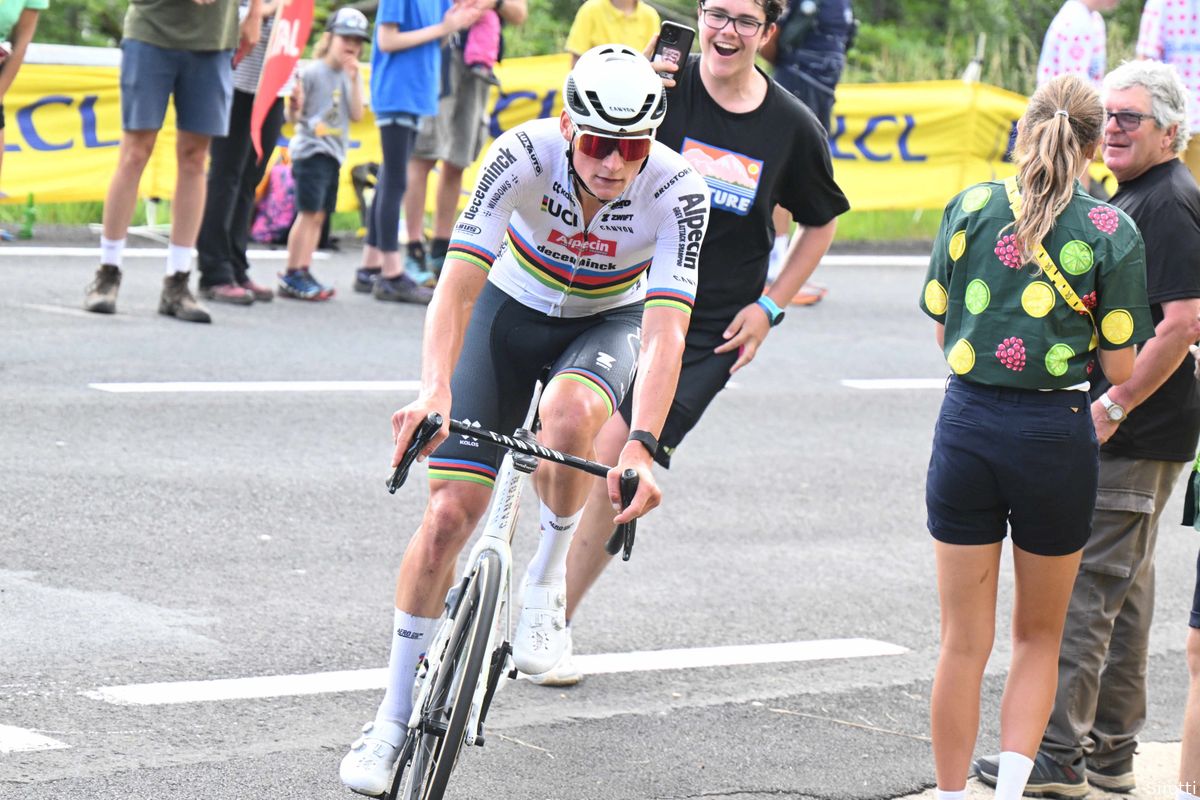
(646, 439)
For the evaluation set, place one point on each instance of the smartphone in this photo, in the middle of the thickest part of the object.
(674, 43)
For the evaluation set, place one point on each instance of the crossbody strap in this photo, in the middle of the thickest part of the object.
(1047, 263)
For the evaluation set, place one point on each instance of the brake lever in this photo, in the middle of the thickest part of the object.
(425, 433)
(622, 538)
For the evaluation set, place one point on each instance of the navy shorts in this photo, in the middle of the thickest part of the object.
(200, 82)
(316, 180)
(1013, 458)
(506, 348)
(702, 375)
(1195, 620)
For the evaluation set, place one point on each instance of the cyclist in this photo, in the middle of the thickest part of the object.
(577, 249)
(724, 111)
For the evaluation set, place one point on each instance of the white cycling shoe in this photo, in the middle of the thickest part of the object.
(542, 635)
(367, 768)
(564, 673)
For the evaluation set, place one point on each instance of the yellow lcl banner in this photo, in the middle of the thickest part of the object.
(894, 146)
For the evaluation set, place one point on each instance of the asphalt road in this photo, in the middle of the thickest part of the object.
(196, 536)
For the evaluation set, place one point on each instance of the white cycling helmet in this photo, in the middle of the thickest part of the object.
(613, 89)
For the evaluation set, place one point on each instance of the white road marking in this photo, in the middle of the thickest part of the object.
(67, 311)
(211, 387)
(20, 740)
(374, 679)
(895, 383)
(30, 251)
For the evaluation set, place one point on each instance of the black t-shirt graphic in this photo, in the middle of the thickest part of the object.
(750, 163)
(1164, 201)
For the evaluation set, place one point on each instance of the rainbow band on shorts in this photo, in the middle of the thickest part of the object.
(454, 469)
(592, 381)
(470, 253)
(670, 298)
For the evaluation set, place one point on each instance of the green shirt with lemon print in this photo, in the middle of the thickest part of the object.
(1006, 324)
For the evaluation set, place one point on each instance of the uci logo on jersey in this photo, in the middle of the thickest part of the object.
(556, 209)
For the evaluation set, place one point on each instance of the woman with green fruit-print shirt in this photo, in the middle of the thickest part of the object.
(1030, 281)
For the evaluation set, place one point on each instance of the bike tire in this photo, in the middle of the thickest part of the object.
(434, 755)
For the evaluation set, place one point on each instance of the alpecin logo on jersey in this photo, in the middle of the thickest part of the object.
(690, 220)
(559, 210)
(488, 176)
(732, 178)
(592, 246)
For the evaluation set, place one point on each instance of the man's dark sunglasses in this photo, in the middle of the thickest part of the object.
(1128, 121)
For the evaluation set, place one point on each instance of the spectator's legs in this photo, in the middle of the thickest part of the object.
(448, 194)
(187, 207)
(1189, 765)
(414, 198)
(397, 142)
(252, 174)
(303, 238)
(228, 156)
(121, 200)
(966, 576)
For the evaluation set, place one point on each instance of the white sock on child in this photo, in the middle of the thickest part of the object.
(1013, 775)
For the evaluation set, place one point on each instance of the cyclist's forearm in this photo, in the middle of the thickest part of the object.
(446, 324)
(663, 332)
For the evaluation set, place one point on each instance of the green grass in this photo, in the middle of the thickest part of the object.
(854, 226)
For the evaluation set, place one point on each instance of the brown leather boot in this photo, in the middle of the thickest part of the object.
(102, 291)
(177, 300)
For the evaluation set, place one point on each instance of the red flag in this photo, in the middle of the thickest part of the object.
(293, 22)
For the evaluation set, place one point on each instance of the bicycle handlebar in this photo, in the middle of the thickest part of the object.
(622, 538)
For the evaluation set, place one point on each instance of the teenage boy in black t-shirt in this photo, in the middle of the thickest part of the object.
(757, 146)
(1148, 428)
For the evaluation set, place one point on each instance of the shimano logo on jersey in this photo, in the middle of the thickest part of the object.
(560, 211)
(605, 361)
(658, 192)
(691, 228)
(406, 634)
(527, 143)
(487, 177)
(467, 227)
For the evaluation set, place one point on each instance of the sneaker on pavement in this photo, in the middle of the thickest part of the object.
(262, 294)
(367, 768)
(401, 289)
(564, 673)
(809, 294)
(365, 277)
(299, 284)
(1117, 778)
(541, 637)
(416, 267)
(1048, 778)
(228, 293)
(177, 300)
(101, 295)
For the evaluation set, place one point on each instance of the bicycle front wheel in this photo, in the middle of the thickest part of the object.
(436, 745)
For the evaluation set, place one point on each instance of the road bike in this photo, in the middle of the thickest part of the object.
(472, 651)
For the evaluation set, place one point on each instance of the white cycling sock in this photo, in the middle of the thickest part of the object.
(961, 794)
(778, 256)
(410, 637)
(179, 258)
(111, 251)
(1012, 775)
(549, 564)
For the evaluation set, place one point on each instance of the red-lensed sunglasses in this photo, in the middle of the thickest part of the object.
(596, 146)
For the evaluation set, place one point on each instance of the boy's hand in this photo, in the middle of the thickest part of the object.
(297, 98)
(350, 65)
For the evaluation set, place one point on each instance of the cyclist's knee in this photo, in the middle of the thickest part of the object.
(572, 413)
(454, 509)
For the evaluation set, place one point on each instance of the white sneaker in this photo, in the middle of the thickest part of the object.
(564, 673)
(367, 768)
(541, 634)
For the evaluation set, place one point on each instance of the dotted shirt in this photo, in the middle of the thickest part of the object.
(1005, 325)
(1170, 32)
(1074, 44)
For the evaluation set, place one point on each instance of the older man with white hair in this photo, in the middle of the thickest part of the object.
(1148, 428)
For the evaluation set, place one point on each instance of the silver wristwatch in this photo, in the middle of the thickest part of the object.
(1115, 411)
